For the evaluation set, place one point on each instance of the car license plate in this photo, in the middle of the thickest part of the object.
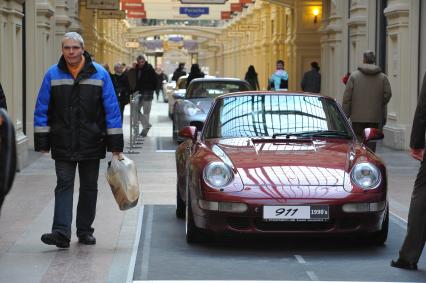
(293, 213)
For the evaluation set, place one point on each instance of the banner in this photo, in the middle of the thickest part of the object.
(103, 4)
(225, 15)
(236, 7)
(133, 14)
(135, 6)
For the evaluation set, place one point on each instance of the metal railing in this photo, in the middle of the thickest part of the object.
(135, 139)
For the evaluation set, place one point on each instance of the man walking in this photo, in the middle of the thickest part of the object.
(121, 86)
(414, 241)
(143, 79)
(367, 93)
(311, 81)
(179, 72)
(77, 117)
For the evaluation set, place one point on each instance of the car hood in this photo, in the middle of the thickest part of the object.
(287, 163)
(203, 103)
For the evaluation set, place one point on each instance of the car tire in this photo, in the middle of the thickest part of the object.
(379, 238)
(180, 205)
(193, 234)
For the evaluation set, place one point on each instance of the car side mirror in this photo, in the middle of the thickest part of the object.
(178, 95)
(188, 132)
(372, 134)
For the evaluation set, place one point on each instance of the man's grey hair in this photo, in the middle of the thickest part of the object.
(141, 57)
(74, 36)
(369, 57)
(117, 65)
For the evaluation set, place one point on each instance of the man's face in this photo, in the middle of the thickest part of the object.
(118, 69)
(141, 62)
(280, 66)
(72, 51)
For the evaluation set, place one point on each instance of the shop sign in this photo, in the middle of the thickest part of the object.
(236, 7)
(132, 44)
(235, 34)
(248, 27)
(194, 12)
(139, 6)
(225, 15)
(103, 4)
(203, 1)
(112, 14)
(135, 14)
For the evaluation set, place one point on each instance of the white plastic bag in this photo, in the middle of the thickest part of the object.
(123, 179)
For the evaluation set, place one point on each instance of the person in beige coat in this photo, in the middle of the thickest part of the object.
(367, 93)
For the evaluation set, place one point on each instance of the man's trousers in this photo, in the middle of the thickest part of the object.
(88, 171)
(416, 228)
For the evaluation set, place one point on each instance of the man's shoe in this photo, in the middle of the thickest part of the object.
(400, 263)
(87, 240)
(56, 239)
(144, 132)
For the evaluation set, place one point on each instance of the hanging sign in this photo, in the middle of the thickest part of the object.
(235, 34)
(112, 14)
(225, 15)
(236, 7)
(139, 6)
(248, 27)
(134, 14)
(132, 44)
(194, 12)
(103, 4)
(203, 1)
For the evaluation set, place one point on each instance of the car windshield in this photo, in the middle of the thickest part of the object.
(212, 89)
(276, 116)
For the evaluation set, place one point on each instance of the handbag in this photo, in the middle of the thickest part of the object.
(122, 177)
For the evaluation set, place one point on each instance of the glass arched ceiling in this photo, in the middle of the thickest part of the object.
(173, 12)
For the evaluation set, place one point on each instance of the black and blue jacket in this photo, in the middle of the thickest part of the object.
(77, 119)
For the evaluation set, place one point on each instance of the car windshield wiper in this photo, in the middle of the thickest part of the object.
(325, 133)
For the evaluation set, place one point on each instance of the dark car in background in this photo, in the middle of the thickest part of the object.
(192, 109)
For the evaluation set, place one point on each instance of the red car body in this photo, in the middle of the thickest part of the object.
(276, 174)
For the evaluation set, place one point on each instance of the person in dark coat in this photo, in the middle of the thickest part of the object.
(179, 72)
(121, 86)
(415, 238)
(367, 93)
(7, 154)
(251, 78)
(311, 81)
(77, 118)
(146, 83)
(194, 74)
(3, 103)
(161, 76)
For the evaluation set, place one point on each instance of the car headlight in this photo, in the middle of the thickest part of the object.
(217, 174)
(191, 109)
(366, 175)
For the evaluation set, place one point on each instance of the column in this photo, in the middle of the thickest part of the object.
(402, 62)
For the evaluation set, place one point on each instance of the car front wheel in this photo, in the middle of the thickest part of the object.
(379, 238)
(180, 205)
(193, 234)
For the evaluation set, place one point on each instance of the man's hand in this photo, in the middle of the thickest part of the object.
(417, 153)
(119, 155)
(44, 151)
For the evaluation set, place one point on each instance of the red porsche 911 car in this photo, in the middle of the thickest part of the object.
(280, 162)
